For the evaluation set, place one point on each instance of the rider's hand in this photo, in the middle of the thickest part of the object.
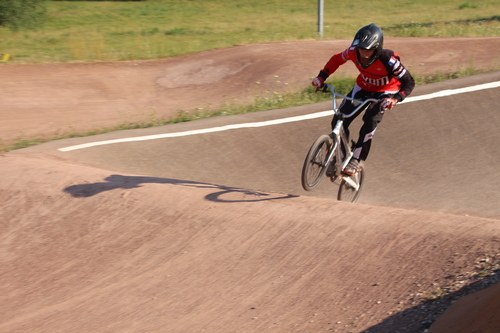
(318, 82)
(388, 103)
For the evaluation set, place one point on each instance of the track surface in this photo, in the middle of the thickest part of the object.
(438, 154)
(212, 232)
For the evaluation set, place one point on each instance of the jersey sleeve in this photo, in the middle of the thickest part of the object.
(335, 62)
(403, 75)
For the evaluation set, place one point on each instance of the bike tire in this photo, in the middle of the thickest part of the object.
(314, 168)
(349, 193)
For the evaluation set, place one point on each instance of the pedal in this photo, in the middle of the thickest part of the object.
(335, 179)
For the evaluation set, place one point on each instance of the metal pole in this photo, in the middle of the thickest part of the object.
(320, 17)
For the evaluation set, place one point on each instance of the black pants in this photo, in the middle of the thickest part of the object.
(372, 117)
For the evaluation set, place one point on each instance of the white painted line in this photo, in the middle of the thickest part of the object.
(202, 131)
(443, 93)
(451, 92)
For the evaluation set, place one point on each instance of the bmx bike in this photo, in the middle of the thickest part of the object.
(335, 149)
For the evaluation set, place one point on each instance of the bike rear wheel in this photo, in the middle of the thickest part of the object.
(347, 192)
(316, 161)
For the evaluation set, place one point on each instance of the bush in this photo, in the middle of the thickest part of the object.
(22, 14)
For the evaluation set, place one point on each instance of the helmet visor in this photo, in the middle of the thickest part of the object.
(365, 45)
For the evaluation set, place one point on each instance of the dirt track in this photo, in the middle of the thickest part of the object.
(105, 248)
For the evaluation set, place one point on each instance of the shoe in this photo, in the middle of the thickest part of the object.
(330, 171)
(353, 167)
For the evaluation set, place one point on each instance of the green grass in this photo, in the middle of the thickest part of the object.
(114, 30)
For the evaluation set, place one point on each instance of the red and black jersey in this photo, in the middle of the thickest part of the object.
(386, 74)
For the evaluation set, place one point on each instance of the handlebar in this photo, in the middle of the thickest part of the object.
(334, 101)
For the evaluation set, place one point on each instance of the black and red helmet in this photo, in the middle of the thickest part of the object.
(369, 37)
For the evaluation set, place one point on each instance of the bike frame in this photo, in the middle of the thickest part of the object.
(340, 138)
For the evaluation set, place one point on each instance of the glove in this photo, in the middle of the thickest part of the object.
(387, 104)
(318, 82)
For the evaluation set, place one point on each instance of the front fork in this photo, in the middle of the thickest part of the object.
(340, 160)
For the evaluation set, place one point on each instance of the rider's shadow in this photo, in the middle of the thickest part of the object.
(222, 194)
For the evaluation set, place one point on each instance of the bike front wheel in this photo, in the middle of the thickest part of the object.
(350, 187)
(316, 162)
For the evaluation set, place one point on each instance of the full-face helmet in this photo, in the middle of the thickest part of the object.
(369, 37)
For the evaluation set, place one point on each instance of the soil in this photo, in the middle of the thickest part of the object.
(89, 249)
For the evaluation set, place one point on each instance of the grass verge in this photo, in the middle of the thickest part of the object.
(130, 30)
